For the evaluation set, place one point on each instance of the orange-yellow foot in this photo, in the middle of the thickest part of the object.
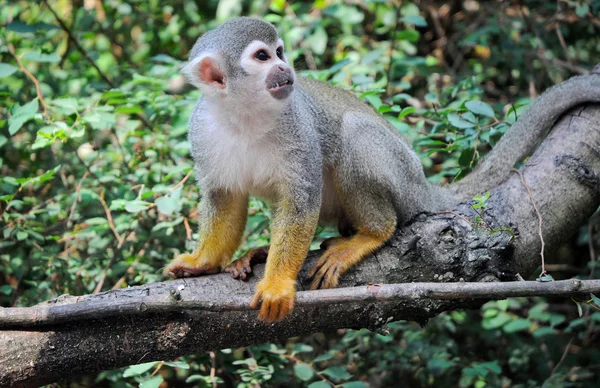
(241, 268)
(277, 298)
(187, 265)
(332, 264)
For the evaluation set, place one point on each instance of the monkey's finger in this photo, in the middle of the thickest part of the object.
(255, 300)
(274, 311)
(263, 315)
(315, 268)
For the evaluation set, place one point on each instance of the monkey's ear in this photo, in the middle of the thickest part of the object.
(205, 70)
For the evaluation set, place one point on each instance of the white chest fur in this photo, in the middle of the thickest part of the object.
(236, 159)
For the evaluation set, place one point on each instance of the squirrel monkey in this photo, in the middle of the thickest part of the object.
(315, 153)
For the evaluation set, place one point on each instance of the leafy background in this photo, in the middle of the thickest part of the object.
(94, 163)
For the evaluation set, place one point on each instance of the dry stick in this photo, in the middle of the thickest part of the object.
(185, 178)
(539, 217)
(388, 89)
(79, 47)
(213, 368)
(564, 355)
(83, 52)
(38, 91)
(111, 223)
(88, 307)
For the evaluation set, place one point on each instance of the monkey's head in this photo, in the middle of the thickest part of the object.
(242, 60)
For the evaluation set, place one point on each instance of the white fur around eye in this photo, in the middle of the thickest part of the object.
(250, 64)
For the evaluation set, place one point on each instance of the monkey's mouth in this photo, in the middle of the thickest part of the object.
(280, 83)
(281, 88)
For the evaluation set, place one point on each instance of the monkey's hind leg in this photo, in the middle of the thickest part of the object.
(345, 252)
(242, 267)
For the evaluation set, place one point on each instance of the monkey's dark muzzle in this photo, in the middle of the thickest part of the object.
(280, 82)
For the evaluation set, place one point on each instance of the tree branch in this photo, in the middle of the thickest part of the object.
(563, 176)
(73, 309)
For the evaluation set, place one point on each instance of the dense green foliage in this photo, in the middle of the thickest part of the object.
(92, 165)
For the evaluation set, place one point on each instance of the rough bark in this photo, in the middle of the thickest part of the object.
(443, 247)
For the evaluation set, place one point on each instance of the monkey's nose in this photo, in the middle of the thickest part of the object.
(281, 68)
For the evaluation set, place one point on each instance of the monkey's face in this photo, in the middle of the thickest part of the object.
(260, 75)
(267, 69)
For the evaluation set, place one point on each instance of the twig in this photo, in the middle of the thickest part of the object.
(111, 223)
(38, 91)
(188, 230)
(388, 88)
(182, 181)
(213, 368)
(591, 249)
(139, 299)
(83, 52)
(539, 217)
(564, 355)
(77, 199)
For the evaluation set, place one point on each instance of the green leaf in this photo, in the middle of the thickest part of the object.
(480, 108)
(153, 382)
(136, 370)
(317, 42)
(543, 332)
(415, 20)
(546, 278)
(20, 27)
(6, 289)
(498, 321)
(459, 122)
(136, 206)
(21, 114)
(177, 364)
(319, 384)
(67, 105)
(303, 372)
(517, 325)
(406, 111)
(166, 205)
(337, 373)
(302, 348)
(37, 56)
(6, 69)
(579, 309)
(323, 357)
(596, 300)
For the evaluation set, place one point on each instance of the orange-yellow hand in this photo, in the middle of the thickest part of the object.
(277, 298)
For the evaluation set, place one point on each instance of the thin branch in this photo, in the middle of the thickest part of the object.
(564, 355)
(539, 217)
(111, 223)
(83, 52)
(180, 298)
(38, 91)
(182, 181)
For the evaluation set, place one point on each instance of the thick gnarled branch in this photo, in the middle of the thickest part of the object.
(448, 247)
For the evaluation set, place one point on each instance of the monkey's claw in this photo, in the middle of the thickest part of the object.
(188, 265)
(242, 267)
(277, 299)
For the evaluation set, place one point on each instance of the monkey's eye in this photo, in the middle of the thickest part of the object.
(279, 52)
(261, 55)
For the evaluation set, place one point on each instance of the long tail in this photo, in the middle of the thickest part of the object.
(526, 134)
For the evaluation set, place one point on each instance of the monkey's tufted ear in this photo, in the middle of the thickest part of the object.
(205, 70)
